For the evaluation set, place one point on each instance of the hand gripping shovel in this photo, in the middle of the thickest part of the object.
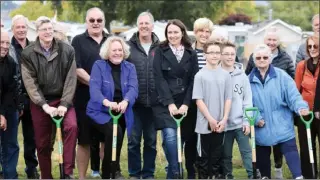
(57, 120)
(115, 119)
(253, 139)
(178, 122)
(308, 125)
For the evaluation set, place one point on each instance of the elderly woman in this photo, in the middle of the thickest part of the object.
(175, 64)
(113, 84)
(276, 96)
(306, 75)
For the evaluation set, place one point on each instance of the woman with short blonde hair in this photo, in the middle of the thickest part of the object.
(113, 85)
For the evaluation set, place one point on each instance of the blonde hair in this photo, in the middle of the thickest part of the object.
(202, 23)
(104, 50)
(261, 48)
(18, 17)
(42, 20)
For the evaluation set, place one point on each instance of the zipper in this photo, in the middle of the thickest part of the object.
(148, 77)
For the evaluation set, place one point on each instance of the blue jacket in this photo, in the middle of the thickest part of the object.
(276, 100)
(102, 87)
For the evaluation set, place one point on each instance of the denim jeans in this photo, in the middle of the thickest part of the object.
(9, 146)
(143, 125)
(169, 138)
(245, 151)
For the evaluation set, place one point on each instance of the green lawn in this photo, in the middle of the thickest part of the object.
(239, 171)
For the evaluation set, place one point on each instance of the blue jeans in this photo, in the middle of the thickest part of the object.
(143, 125)
(245, 151)
(169, 138)
(9, 146)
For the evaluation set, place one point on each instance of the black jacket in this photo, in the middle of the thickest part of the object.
(143, 62)
(282, 61)
(174, 83)
(10, 85)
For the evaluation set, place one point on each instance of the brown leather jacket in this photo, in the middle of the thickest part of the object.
(49, 78)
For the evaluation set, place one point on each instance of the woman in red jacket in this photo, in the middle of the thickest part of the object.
(307, 73)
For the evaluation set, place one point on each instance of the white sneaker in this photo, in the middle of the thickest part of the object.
(95, 174)
(300, 177)
(278, 173)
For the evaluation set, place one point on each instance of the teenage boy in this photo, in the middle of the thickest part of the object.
(213, 93)
(237, 127)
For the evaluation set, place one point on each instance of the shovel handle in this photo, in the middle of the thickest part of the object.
(307, 123)
(178, 120)
(251, 118)
(114, 117)
(57, 120)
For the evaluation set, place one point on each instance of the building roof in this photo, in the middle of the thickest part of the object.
(259, 27)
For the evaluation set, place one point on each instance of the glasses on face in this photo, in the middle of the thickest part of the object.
(50, 29)
(312, 46)
(213, 52)
(264, 58)
(94, 20)
(226, 54)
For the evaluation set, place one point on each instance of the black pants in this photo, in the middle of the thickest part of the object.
(107, 130)
(211, 154)
(190, 154)
(28, 140)
(95, 154)
(277, 155)
(304, 150)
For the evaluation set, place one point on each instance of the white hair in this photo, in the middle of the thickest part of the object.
(219, 32)
(18, 17)
(104, 50)
(272, 31)
(146, 13)
(314, 17)
(261, 48)
(42, 20)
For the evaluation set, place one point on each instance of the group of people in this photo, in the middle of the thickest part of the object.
(148, 82)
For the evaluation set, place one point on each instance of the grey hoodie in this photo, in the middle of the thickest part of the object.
(241, 98)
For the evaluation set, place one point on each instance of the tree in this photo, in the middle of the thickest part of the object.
(298, 13)
(234, 18)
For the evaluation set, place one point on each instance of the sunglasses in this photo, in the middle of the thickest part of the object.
(264, 58)
(314, 46)
(93, 20)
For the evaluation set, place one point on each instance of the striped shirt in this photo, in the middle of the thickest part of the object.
(201, 58)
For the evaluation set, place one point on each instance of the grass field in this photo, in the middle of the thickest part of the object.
(239, 172)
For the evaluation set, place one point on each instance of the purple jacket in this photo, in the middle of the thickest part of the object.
(102, 87)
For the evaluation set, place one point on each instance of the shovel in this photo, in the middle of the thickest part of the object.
(253, 139)
(308, 125)
(178, 118)
(115, 119)
(57, 120)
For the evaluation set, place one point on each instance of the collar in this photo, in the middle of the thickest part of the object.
(105, 35)
(15, 42)
(271, 72)
(38, 47)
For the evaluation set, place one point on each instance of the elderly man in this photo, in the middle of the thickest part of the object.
(142, 45)
(87, 48)
(302, 52)
(9, 93)
(282, 60)
(18, 42)
(49, 74)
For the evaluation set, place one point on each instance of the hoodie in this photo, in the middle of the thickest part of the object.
(241, 98)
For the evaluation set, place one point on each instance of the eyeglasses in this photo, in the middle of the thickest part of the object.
(264, 58)
(46, 29)
(228, 54)
(214, 53)
(314, 46)
(94, 20)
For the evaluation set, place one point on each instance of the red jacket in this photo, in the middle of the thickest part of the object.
(306, 82)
